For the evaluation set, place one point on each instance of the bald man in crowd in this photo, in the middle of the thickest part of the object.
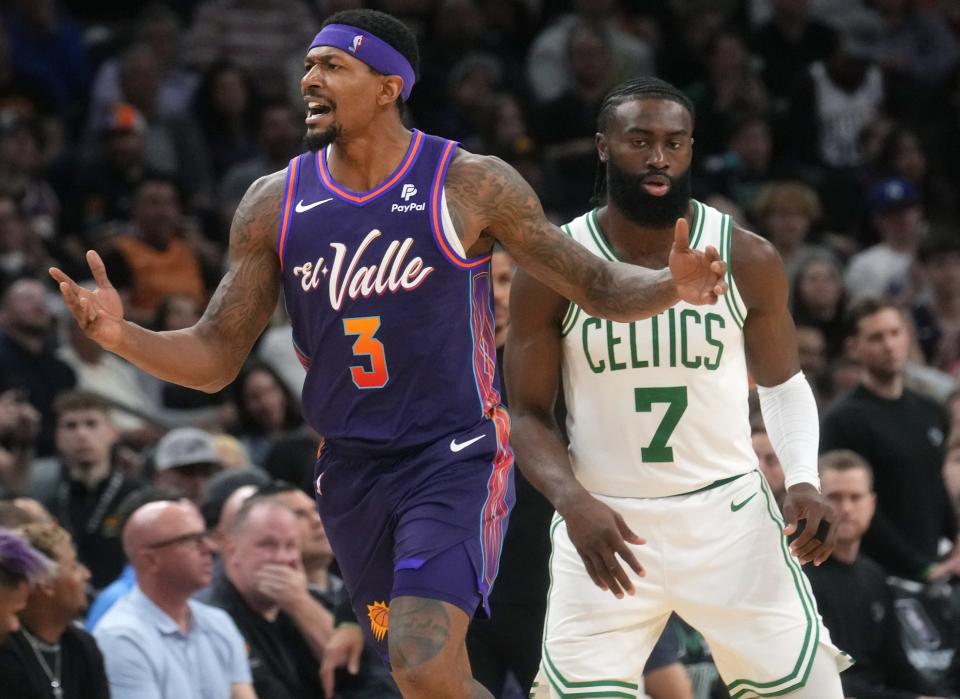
(156, 641)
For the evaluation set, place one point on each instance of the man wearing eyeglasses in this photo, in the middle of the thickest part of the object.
(156, 641)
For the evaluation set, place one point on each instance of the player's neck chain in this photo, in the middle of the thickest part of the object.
(53, 676)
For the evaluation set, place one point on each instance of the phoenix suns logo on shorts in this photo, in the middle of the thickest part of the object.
(379, 613)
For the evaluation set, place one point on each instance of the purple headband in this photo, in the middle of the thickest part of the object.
(373, 51)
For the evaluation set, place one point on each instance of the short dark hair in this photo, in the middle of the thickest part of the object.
(79, 400)
(865, 307)
(160, 177)
(641, 88)
(385, 27)
(635, 89)
(222, 485)
(844, 460)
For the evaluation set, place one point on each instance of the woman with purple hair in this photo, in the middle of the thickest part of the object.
(20, 566)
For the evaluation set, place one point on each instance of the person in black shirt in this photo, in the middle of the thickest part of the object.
(27, 359)
(852, 593)
(369, 678)
(90, 489)
(264, 590)
(50, 657)
(901, 434)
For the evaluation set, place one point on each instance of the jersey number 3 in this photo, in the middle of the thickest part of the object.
(366, 345)
(657, 452)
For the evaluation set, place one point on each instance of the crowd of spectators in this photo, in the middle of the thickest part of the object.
(830, 127)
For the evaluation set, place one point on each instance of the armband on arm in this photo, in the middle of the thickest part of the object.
(790, 415)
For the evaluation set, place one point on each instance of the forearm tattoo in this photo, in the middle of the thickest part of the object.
(486, 194)
(247, 295)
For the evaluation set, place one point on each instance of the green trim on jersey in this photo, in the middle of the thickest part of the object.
(566, 689)
(573, 310)
(596, 232)
(729, 297)
(711, 486)
(570, 320)
(733, 297)
(796, 678)
(696, 227)
(593, 225)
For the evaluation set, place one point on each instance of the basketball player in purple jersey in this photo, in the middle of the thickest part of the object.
(381, 238)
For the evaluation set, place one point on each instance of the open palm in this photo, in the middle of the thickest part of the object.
(698, 276)
(98, 312)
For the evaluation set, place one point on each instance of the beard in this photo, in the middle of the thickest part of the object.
(627, 192)
(313, 141)
(36, 328)
(883, 374)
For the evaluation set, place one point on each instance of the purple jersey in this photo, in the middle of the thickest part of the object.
(394, 326)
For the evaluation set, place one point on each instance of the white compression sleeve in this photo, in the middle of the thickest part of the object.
(790, 415)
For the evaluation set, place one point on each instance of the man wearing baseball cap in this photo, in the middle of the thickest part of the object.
(184, 460)
(896, 213)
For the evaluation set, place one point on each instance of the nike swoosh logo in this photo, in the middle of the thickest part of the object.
(455, 446)
(734, 507)
(301, 208)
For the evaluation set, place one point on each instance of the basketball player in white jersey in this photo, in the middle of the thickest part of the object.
(660, 442)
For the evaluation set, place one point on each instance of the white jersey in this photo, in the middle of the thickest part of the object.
(658, 407)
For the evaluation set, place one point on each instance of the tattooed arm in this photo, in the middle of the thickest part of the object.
(208, 355)
(489, 199)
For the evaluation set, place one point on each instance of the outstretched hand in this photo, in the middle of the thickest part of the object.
(698, 276)
(98, 312)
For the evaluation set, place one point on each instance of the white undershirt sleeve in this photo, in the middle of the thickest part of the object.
(790, 415)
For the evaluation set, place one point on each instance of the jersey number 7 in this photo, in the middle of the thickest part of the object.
(657, 452)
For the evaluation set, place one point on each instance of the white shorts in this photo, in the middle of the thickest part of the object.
(719, 559)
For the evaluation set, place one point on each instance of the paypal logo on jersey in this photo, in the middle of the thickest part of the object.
(406, 192)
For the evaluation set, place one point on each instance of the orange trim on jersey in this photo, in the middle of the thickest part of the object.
(288, 202)
(437, 220)
(362, 199)
(495, 509)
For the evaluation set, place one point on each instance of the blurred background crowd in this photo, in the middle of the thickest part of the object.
(830, 127)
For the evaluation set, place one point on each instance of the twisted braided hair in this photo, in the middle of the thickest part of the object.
(638, 88)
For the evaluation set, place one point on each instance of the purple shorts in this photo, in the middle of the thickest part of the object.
(428, 523)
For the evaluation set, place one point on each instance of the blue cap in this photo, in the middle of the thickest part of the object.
(894, 193)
